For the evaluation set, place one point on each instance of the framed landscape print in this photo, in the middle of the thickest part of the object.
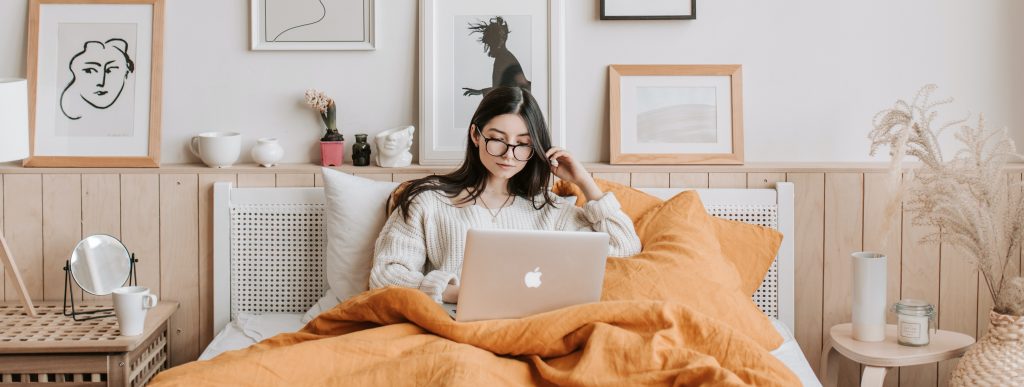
(468, 47)
(676, 114)
(94, 70)
(648, 9)
(313, 24)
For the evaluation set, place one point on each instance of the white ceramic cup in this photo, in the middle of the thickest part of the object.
(217, 149)
(130, 306)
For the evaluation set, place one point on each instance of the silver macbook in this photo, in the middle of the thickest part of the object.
(515, 273)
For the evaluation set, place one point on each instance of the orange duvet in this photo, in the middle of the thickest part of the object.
(398, 336)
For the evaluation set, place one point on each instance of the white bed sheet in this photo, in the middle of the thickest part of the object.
(249, 329)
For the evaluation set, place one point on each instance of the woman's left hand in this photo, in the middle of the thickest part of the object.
(567, 168)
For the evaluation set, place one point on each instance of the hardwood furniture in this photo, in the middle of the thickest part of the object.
(52, 348)
(879, 357)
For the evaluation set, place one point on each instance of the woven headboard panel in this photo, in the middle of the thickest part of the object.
(268, 246)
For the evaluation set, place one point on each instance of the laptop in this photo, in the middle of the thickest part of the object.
(518, 273)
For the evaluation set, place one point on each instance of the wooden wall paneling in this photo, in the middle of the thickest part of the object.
(810, 252)
(23, 228)
(3, 274)
(1020, 265)
(920, 280)
(844, 227)
(101, 210)
(617, 177)
(879, 190)
(295, 180)
(688, 180)
(403, 177)
(179, 261)
(958, 300)
(727, 180)
(62, 228)
(375, 176)
(254, 180)
(650, 180)
(140, 226)
(764, 179)
(206, 182)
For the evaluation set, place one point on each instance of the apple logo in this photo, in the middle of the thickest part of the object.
(532, 278)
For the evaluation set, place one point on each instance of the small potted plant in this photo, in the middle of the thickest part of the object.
(332, 144)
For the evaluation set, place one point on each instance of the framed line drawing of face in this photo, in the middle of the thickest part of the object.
(313, 24)
(469, 47)
(676, 114)
(95, 83)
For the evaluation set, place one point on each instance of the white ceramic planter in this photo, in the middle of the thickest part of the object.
(267, 152)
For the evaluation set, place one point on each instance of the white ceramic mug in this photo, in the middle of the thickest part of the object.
(130, 306)
(217, 149)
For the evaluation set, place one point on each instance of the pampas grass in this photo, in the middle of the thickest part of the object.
(967, 197)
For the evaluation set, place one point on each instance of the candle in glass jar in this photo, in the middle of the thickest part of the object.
(913, 321)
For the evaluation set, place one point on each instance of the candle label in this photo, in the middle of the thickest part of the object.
(910, 330)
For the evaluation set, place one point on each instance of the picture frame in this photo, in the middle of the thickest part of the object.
(95, 82)
(648, 10)
(676, 114)
(454, 62)
(313, 25)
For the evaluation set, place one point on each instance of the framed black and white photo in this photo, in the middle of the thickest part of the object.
(676, 114)
(468, 47)
(648, 9)
(95, 82)
(313, 24)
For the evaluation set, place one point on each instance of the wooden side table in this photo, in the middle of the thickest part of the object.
(53, 348)
(879, 357)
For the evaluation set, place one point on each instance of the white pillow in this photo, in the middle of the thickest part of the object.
(354, 214)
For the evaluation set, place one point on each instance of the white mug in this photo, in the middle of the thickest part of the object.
(217, 149)
(130, 306)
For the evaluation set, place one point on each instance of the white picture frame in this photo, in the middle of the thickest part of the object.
(675, 114)
(452, 58)
(313, 25)
(95, 82)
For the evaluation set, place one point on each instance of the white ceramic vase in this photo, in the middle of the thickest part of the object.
(267, 152)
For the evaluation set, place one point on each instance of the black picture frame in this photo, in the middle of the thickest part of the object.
(691, 16)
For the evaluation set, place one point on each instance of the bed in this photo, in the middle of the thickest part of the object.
(268, 248)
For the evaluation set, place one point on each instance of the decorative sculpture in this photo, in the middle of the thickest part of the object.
(393, 147)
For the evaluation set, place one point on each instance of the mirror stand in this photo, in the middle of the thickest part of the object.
(69, 295)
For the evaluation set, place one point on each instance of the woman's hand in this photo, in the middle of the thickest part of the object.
(567, 168)
(451, 294)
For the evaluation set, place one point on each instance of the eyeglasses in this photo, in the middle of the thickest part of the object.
(498, 148)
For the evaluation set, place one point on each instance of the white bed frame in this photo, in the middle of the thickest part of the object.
(268, 246)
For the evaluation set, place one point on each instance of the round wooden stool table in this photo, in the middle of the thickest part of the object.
(879, 357)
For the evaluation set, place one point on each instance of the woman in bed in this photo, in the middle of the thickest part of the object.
(503, 183)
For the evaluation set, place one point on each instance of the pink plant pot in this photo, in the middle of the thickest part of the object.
(332, 153)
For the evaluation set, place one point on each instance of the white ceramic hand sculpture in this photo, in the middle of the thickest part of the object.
(393, 147)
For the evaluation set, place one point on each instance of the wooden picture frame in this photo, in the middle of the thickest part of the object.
(346, 25)
(676, 114)
(95, 80)
(455, 67)
(646, 10)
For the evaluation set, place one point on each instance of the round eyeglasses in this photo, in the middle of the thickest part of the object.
(498, 148)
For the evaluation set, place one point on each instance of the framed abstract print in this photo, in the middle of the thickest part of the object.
(313, 24)
(676, 114)
(468, 47)
(94, 69)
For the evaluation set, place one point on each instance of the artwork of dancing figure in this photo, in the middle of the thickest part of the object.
(507, 71)
(98, 76)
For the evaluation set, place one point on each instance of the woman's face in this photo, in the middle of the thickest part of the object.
(507, 128)
(100, 73)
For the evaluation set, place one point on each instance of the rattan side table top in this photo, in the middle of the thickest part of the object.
(53, 332)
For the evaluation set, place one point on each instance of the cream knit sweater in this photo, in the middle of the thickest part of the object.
(433, 239)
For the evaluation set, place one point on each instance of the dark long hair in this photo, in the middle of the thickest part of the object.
(532, 180)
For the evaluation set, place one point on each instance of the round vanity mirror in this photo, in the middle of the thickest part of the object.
(100, 264)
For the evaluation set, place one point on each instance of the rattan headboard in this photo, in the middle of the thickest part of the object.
(268, 246)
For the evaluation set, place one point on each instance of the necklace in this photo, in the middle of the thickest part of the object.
(494, 215)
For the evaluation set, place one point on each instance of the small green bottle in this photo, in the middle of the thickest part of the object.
(361, 151)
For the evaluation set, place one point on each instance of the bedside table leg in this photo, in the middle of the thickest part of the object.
(873, 376)
(829, 372)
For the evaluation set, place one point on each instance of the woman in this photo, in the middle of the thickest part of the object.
(502, 183)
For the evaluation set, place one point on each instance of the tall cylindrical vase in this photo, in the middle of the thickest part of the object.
(868, 288)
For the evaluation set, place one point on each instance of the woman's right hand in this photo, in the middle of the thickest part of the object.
(451, 294)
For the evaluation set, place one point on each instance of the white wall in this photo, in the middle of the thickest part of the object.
(815, 72)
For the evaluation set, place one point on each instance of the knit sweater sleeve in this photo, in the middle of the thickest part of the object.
(606, 215)
(400, 255)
